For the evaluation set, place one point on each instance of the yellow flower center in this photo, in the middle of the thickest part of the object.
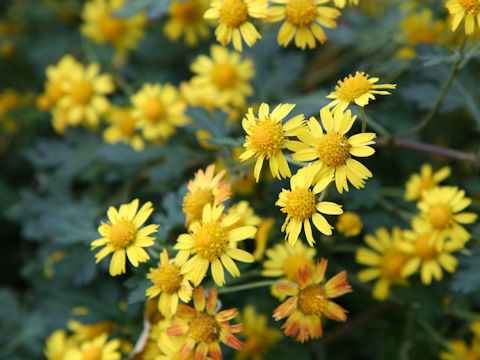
(294, 263)
(126, 124)
(211, 240)
(233, 13)
(470, 6)
(187, 12)
(194, 202)
(82, 92)
(333, 149)
(92, 353)
(167, 278)
(224, 75)
(121, 235)
(312, 300)
(423, 249)
(353, 87)
(204, 328)
(392, 264)
(154, 110)
(54, 91)
(268, 137)
(112, 27)
(301, 204)
(440, 216)
(301, 13)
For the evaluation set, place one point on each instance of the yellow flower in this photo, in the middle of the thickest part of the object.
(245, 214)
(57, 345)
(459, 350)
(334, 150)
(158, 110)
(102, 26)
(267, 137)
(262, 237)
(195, 95)
(349, 224)
(421, 27)
(123, 234)
(87, 332)
(50, 261)
(97, 349)
(186, 17)
(425, 180)
(386, 262)
(341, 3)
(169, 283)
(301, 205)
(58, 75)
(259, 338)
(60, 121)
(425, 256)
(358, 89)
(440, 210)
(9, 100)
(224, 76)
(233, 18)
(122, 128)
(468, 9)
(211, 242)
(302, 21)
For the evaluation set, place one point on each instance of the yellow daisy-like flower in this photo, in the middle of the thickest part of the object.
(386, 262)
(122, 128)
(262, 237)
(425, 180)
(245, 214)
(440, 210)
(333, 150)
(57, 345)
(211, 242)
(169, 283)
(460, 350)
(302, 21)
(58, 75)
(87, 332)
(186, 17)
(84, 98)
(123, 234)
(267, 137)
(425, 256)
(422, 27)
(102, 26)
(158, 110)
(349, 223)
(341, 3)
(225, 76)
(301, 205)
(358, 89)
(259, 337)
(233, 18)
(468, 9)
(98, 349)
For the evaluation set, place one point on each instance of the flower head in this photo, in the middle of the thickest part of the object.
(58, 75)
(459, 349)
(245, 214)
(96, 349)
(310, 300)
(341, 3)
(425, 180)
(57, 345)
(349, 223)
(123, 128)
(468, 9)
(122, 235)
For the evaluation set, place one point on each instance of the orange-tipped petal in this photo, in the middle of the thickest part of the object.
(186, 349)
(226, 314)
(304, 276)
(232, 341)
(201, 351)
(212, 301)
(176, 330)
(215, 351)
(199, 298)
(291, 327)
(319, 270)
(335, 312)
(285, 309)
(236, 328)
(286, 289)
(338, 285)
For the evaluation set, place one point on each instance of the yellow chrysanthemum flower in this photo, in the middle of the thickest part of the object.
(102, 26)
(468, 9)
(334, 150)
(98, 349)
(259, 337)
(358, 89)
(349, 223)
(386, 262)
(421, 27)
(169, 284)
(262, 237)
(60, 120)
(233, 21)
(57, 345)
(123, 235)
(225, 76)
(186, 17)
(440, 210)
(460, 350)
(245, 214)
(302, 21)
(425, 180)
(58, 75)
(158, 110)
(267, 137)
(122, 128)
(211, 242)
(87, 332)
(301, 205)
(341, 3)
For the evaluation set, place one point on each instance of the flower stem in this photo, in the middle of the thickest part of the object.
(364, 119)
(294, 162)
(229, 289)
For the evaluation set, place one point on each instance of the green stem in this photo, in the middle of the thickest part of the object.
(364, 119)
(378, 128)
(229, 289)
(294, 162)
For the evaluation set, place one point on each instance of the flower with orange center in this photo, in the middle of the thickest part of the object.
(425, 180)
(205, 188)
(468, 9)
(349, 224)
(302, 21)
(124, 235)
(358, 89)
(310, 300)
(58, 75)
(301, 205)
(267, 137)
(205, 329)
(333, 151)
(212, 241)
(123, 128)
(186, 17)
(96, 349)
(386, 262)
(233, 21)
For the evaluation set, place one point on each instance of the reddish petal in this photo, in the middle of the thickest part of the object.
(285, 309)
(176, 330)
(304, 277)
(199, 298)
(291, 327)
(201, 352)
(338, 285)
(235, 328)
(319, 271)
(303, 331)
(335, 312)
(186, 349)
(232, 341)
(226, 314)
(185, 311)
(212, 301)
(286, 289)
(215, 351)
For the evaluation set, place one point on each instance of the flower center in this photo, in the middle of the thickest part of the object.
(187, 12)
(126, 124)
(301, 204)
(112, 27)
(294, 263)
(154, 110)
(349, 222)
(204, 328)
(194, 202)
(121, 235)
(82, 92)
(224, 75)
(312, 300)
(210, 240)
(54, 91)
(301, 13)
(92, 353)
(233, 13)
(423, 249)
(353, 87)
(392, 264)
(268, 138)
(470, 6)
(167, 278)
(333, 149)
(440, 216)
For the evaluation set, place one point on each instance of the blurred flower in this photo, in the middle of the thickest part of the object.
(87, 332)
(459, 350)
(186, 17)
(51, 260)
(425, 180)
(341, 3)
(468, 9)
(349, 223)
(122, 128)
(245, 214)
(98, 349)
(9, 100)
(57, 345)
(58, 75)
(262, 237)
